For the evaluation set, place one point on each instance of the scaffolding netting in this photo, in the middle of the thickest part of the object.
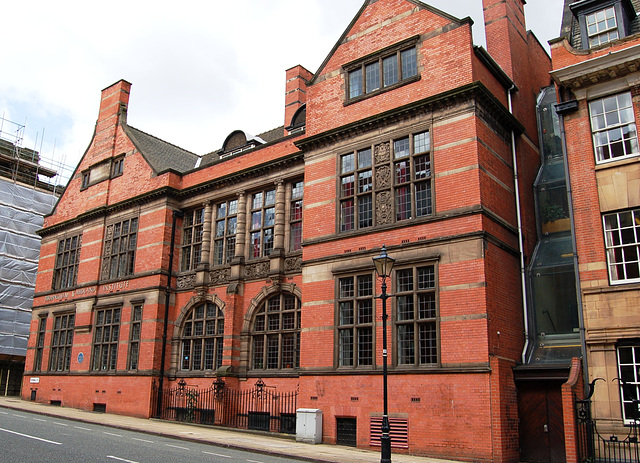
(21, 214)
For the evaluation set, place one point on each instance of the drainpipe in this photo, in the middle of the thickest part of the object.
(576, 271)
(523, 279)
(167, 300)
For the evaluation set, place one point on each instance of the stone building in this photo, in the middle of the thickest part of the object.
(595, 68)
(166, 275)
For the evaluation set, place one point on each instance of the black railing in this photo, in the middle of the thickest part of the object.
(594, 447)
(259, 408)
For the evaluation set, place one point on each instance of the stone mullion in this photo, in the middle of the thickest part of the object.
(206, 235)
(278, 240)
(241, 226)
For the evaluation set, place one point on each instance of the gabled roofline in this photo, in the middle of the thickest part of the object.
(344, 35)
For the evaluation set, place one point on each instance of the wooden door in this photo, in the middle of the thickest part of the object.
(541, 426)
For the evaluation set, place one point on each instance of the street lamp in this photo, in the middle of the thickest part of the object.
(384, 264)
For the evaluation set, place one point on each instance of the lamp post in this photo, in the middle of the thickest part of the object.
(384, 264)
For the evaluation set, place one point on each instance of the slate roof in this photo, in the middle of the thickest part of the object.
(269, 136)
(571, 28)
(161, 155)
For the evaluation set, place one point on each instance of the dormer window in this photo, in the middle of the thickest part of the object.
(389, 68)
(602, 21)
(602, 27)
(239, 142)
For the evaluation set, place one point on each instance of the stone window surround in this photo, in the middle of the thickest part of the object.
(379, 55)
(384, 210)
(282, 234)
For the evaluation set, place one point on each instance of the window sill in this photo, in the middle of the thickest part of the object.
(357, 99)
(612, 163)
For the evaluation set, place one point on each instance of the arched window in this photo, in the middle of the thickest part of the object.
(201, 338)
(275, 336)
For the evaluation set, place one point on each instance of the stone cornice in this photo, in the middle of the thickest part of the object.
(473, 91)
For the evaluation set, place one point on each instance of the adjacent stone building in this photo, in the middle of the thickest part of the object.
(595, 68)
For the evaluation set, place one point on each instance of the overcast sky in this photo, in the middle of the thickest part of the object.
(199, 68)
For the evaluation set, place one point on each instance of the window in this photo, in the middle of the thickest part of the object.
(117, 166)
(295, 219)
(602, 27)
(120, 244)
(416, 312)
(65, 273)
(86, 179)
(613, 127)
(355, 321)
(134, 336)
(384, 71)
(263, 218)
(202, 338)
(192, 231)
(356, 186)
(629, 374)
(276, 334)
(61, 342)
(392, 178)
(622, 238)
(105, 341)
(224, 245)
(42, 327)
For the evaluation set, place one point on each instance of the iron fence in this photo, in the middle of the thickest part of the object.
(594, 447)
(261, 408)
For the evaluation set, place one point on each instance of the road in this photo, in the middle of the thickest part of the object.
(32, 438)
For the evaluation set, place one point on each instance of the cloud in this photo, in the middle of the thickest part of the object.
(199, 69)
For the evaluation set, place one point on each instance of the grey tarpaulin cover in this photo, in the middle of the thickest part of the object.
(21, 213)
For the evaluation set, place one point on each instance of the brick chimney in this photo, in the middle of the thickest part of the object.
(113, 111)
(296, 92)
(506, 33)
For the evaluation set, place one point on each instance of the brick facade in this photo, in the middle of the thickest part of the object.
(456, 248)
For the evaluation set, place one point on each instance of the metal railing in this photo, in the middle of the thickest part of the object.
(260, 408)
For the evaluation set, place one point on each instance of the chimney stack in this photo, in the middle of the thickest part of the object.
(506, 33)
(296, 92)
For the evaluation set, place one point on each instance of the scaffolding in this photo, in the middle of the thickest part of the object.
(28, 166)
(29, 189)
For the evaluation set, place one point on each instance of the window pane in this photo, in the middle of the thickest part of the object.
(355, 83)
(390, 67)
(373, 77)
(409, 63)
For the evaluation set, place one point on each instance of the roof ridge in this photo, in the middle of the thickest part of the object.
(161, 140)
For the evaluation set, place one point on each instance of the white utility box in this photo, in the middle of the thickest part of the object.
(309, 425)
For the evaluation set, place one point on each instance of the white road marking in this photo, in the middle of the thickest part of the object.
(121, 459)
(255, 461)
(176, 447)
(39, 419)
(60, 424)
(3, 413)
(31, 437)
(142, 440)
(80, 427)
(111, 434)
(216, 454)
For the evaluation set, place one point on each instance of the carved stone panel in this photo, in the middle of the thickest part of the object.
(219, 276)
(384, 209)
(186, 281)
(259, 270)
(382, 152)
(383, 176)
(293, 264)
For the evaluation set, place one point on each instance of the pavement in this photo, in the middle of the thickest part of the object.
(272, 444)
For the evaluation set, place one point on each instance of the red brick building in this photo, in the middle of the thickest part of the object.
(252, 264)
(595, 68)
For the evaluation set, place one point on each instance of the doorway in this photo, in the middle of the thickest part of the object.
(541, 425)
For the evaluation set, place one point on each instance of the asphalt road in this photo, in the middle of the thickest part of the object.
(31, 438)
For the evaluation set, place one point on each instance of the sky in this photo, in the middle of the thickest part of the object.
(199, 69)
